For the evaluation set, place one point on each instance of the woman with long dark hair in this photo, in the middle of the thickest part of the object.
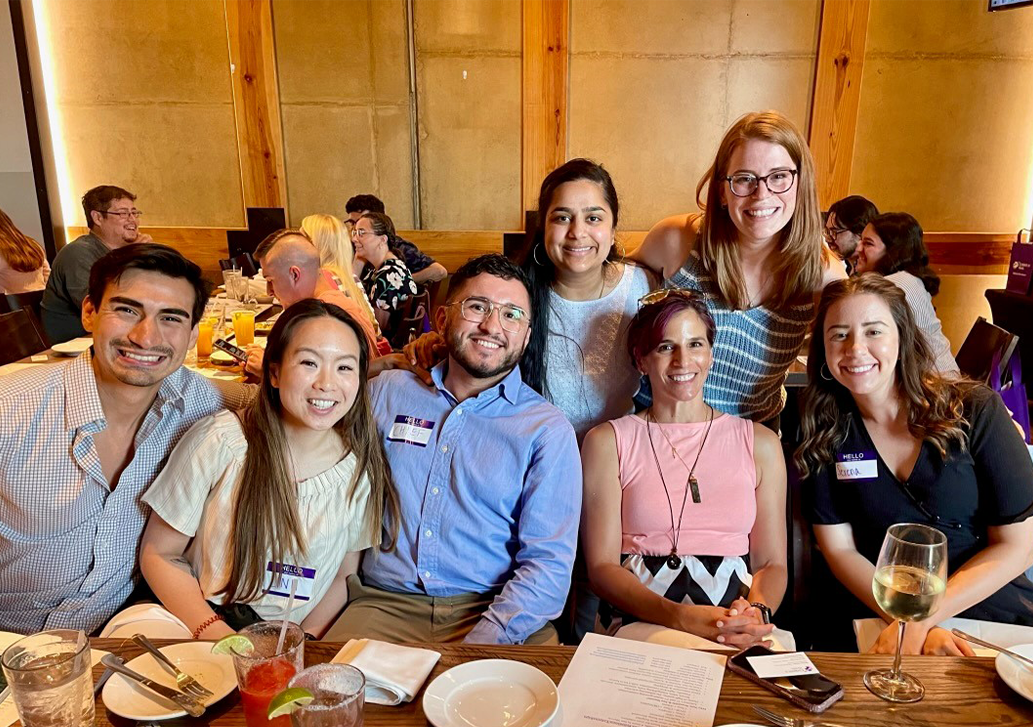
(940, 451)
(298, 484)
(387, 281)
(893, 244)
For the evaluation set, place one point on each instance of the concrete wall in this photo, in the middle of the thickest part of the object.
(468, 88)
(344, 99)
(945, 128)
(17, 185)
(654, 84)
(144, 97)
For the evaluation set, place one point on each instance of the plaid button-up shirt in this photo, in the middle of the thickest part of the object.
(68, 539)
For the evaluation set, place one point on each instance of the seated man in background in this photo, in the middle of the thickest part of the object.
(114, 222)
(844, 224)
(423, 268)
(290, 266)
(488, 477)
(82, 440)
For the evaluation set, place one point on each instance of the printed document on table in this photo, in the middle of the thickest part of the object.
(621, 683)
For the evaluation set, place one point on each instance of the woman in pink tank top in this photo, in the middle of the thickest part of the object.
(683, 520)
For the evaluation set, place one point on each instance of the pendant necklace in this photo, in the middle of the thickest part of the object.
(691, 484)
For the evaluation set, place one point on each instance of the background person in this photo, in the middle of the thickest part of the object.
(23, 263)
(756, 253)
(893, 244)
(423, 267)
(337, 257)
(844, 224)
(298, 480)
(385, 279)
(946, 455)
(113, 220)
(683, 519)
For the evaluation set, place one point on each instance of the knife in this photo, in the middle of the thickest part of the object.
(193, 707)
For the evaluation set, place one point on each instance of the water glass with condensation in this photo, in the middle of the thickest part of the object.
(339, 691)
(51, 679)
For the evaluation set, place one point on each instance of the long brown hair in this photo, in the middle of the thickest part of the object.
(21, 252)
(802, 257)
(934, 404)
(266, 523)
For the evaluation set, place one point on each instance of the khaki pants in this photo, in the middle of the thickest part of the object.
(376, 614)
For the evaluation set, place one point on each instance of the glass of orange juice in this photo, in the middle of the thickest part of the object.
(244, 327)
(205, 334)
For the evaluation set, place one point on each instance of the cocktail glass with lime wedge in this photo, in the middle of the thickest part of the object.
(325, 695)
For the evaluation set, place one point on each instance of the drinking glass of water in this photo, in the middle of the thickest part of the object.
(910, 579)
(51, 679)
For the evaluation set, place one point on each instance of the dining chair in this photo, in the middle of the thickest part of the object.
(21, 335)
(983, 341)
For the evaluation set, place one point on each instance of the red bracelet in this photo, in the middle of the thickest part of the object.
(206, 624)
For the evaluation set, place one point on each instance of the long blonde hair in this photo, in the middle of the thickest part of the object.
(21, 252)
(802, 257)
(336, 254)
(266, 523)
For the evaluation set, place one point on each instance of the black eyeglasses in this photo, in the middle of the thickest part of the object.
(831, 233)
(743, 184)
(123, 214)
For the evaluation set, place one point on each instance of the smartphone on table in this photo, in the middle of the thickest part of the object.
(813, 692)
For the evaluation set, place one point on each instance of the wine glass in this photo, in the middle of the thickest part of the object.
(910, 579)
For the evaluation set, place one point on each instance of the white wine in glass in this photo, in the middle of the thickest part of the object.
(910, 579)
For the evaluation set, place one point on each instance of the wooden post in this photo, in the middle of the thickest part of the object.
(546, 29)
(837, 92)
(256, 102)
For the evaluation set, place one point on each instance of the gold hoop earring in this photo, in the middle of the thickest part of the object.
(822, 370)
(534, 256)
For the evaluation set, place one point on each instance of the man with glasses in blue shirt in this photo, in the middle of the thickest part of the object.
(114, 222)
(489, 481)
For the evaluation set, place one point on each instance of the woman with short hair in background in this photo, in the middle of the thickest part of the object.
(756, 254)
(893, 244)
(940, 451)
(23, 264)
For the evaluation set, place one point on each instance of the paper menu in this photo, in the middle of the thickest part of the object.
(624, 683)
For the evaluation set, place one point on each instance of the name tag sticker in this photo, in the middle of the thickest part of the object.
(411, 430)
(281, 576)
(857, 466)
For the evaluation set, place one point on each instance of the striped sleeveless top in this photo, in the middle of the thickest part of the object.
(753, 348)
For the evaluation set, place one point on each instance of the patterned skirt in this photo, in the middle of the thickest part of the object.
(702, 580)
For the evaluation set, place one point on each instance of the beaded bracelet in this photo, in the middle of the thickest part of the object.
(206, 624)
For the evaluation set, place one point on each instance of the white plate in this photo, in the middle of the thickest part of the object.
(1015, 674)
(125, 697)
(491, 693)
(73, 347)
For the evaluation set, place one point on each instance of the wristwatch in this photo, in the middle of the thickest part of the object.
(765, 612)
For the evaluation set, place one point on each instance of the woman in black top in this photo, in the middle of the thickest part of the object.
(886, 439)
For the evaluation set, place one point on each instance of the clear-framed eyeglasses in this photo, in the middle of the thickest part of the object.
(122, 214)
(743, 184)
(478, 310)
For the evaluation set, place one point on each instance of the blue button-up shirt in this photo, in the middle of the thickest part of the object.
(490, 492)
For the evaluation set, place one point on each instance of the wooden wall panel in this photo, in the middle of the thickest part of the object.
(546, 29)
(837, 93)
(256, 102)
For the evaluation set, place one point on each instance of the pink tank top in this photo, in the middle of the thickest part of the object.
(721, 522)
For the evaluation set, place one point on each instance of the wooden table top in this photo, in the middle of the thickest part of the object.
(959, 691)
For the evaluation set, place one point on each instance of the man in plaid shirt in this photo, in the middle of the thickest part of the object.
(81, 441)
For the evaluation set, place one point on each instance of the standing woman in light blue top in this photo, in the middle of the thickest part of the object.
(756, 253)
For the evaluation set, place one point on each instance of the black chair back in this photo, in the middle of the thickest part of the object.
(16, 301)
(977, 352)
(413, 321)
(21, 335)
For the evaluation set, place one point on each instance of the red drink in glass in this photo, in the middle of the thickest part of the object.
(265, 681)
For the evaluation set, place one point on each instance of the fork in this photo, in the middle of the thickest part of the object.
(192, 706)
(185, 682)
(782, 721)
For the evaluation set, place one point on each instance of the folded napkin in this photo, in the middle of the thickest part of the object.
(393, 673)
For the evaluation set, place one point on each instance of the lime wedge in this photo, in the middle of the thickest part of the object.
(288, 700)
(234, 644)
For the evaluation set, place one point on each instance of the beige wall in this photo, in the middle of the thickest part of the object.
(654, 84)
(344, 99)
(468, 90)
(961, 300)
(144, 97)
(945, 127)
